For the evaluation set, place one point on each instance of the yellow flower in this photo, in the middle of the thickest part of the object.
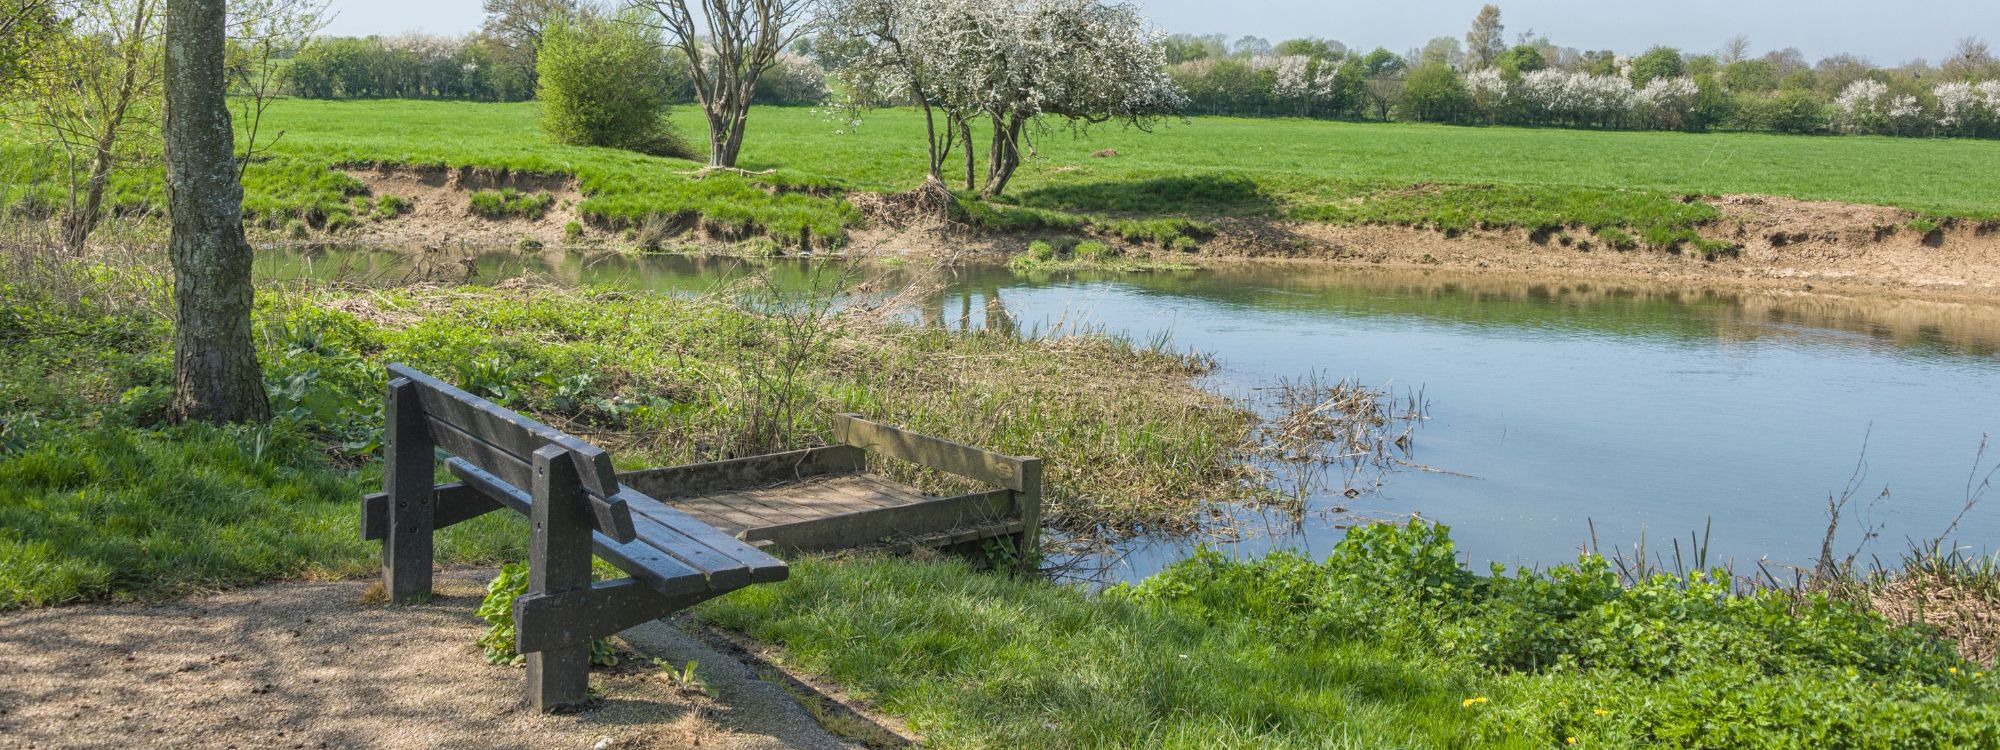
(1572, 740)
(1470, 702)
(1600, 712)
(1953, 670)
(1977, 675)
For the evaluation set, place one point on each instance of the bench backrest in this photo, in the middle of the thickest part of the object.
(503, 443)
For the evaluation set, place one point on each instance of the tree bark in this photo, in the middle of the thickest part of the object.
(1005, 156)
(216, 376)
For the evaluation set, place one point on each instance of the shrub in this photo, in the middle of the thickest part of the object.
(1434, 93)
(604, 84)
(1041, 250)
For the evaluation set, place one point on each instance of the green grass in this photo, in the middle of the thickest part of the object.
(510, 203)
(101, 498)
(1447, 178)
(1388, 643)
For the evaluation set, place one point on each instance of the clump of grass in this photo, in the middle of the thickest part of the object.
(296, 229)
(508, 203)
(1616, 239)
(391, 206)
(528, 244)
(573, 232)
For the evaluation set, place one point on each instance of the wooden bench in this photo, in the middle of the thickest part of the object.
(578, 507)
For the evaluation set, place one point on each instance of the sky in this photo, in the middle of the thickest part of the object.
(1885, 31)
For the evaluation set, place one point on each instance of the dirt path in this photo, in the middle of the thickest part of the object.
(310, 665)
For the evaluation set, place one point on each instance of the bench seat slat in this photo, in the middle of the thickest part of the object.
(720, 569)
(763, 567)
(661, 571)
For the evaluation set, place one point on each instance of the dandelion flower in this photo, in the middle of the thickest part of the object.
(1572, 740)
(1600, 711)
(1470, 702)
(1953, 670)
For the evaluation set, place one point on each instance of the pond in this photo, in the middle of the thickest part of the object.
(1558, 411)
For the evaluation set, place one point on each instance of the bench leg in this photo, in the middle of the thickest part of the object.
(558, 561)
(409, 467)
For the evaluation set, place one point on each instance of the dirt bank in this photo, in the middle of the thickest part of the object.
(440, 213)
(1781, 242)
(311, 665)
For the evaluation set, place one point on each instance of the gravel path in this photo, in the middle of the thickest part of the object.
(310, 665)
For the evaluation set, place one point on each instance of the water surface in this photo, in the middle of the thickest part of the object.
(1644, 411)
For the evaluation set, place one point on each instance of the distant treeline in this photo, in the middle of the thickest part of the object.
(1532, 81)
(1479, 79)
(477, 67)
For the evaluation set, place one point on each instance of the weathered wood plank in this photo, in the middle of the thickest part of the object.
(408, 548)
(705, 478)
(943, 455)
(453, 504)
(658, 569)
(1028, 506)
(558, 562)
(870, 527)
(508, 430)
(611, 515)
(778, 512)
(546, 621)
(763, 567)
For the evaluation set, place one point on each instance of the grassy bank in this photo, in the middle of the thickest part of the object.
(1447, 178)
(1387, 643)
(99, 497)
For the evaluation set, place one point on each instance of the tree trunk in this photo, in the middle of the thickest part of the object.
(1005, 158)
(965, 133)
(216, 377)
(80, 220)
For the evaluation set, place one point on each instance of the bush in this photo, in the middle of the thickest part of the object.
(1434, 93)
(605, 84)
(1041, 250)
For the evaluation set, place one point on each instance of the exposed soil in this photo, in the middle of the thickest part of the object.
(440, 212)
(1783, 243)
(313, 665)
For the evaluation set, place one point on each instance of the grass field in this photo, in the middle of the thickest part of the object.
(1409, 174)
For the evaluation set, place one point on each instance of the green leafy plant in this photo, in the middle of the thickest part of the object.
(497, 609)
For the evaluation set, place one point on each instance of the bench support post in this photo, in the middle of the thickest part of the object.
(1028, 505)
(407, 549)
(558, 562)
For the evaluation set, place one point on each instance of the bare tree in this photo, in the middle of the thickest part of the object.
(263, 33)
(92, 94)
(1486, 40)
(728, 44)
(518, 24)
(216, 376)
(1736, 50)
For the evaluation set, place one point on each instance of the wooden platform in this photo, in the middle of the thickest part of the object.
(823, 499)
(842, 511)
